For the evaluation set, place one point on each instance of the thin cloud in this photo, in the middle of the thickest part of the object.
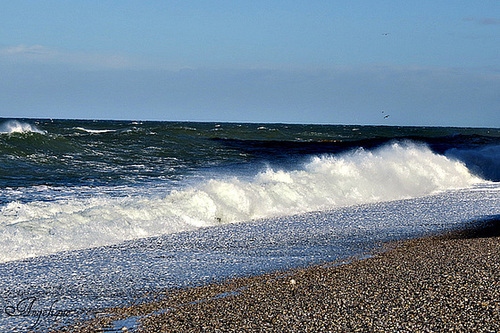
(483, 20)
(27, 51)
(42, 54)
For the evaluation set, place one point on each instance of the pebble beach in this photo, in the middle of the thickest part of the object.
(448, 282)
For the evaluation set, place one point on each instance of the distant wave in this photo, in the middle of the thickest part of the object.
(394, 171)
(94, 131)
(15, 126)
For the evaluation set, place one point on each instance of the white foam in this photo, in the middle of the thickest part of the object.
(94, 131)
(15, 126)
(396, 171)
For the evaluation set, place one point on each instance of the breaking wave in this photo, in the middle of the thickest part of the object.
(15, 126)
(394, 171)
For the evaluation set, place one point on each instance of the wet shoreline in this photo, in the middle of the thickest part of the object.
(448, 281)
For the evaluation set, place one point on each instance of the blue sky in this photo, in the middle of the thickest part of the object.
(334, 62)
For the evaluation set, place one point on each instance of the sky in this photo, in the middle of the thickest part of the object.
(421, 63)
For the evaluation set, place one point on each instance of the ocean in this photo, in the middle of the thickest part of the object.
(86, 206)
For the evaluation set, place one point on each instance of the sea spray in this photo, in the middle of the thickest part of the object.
(15, 126)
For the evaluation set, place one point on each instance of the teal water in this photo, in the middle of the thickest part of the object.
(72, 152)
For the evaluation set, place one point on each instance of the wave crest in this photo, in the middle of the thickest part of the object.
(94, 131)
(395, 171)
(15, 126)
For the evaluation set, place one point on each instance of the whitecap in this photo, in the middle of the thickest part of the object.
(94, 131)
(15, 126)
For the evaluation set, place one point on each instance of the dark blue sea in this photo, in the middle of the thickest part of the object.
(84, 200)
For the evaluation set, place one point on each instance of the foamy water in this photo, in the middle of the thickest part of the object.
(80, 282)
(395, 171)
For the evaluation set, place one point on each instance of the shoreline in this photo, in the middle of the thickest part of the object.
(440, 282)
